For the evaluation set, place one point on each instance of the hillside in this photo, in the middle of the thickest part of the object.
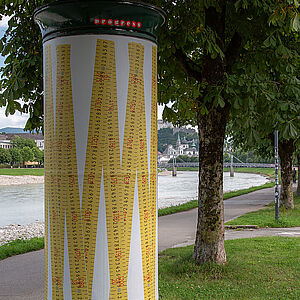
(12, 130)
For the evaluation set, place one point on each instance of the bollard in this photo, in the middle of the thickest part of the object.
(231, 166)
(100, 102)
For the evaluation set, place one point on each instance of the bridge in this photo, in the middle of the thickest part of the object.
(226, 165)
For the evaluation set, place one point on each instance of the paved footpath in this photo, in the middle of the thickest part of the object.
(21, 277)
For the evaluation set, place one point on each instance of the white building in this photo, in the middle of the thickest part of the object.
(5, 144)
(40, 144)
(161, 124)
(5, 139)
(182, 148)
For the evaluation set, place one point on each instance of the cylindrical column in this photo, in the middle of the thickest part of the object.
(100, 81)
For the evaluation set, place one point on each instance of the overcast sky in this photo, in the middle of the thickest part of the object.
(18, 119)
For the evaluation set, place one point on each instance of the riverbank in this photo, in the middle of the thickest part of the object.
(21, 232)
(183, 224)
(31, 179)
(24, 179)
(36, 229)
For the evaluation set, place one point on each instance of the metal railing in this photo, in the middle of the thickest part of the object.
(226, 165)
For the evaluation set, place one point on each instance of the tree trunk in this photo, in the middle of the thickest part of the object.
(285, 151)
(209, 244)
(298, 186)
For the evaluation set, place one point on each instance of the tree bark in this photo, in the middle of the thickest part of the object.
(285, 151)
(209, 244)
(298, 186)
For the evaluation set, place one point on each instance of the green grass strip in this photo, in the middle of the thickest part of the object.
(21, 246)
(262, 171)
(194, 203)
(184, 169)
(266, 217)
(257, 268)
(21, 172)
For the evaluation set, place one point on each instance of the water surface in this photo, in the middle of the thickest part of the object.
(22, 204)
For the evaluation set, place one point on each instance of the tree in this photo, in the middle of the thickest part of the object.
(38, 155)
(5, 157)
(16, 157)
(165, 137)
(21, 82)
(276, 105)
(200, 48)
(203, 74)
(20, 142)
(27, 154)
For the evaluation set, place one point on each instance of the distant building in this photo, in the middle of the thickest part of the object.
(5, 139)
(182, 148)
(5, 144)
(161, 124)
(184, 129)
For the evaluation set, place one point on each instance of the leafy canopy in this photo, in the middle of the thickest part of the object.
(186, 39)
(181, 48)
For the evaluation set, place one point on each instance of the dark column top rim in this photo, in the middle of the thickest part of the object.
(78, 17)
(131, 2)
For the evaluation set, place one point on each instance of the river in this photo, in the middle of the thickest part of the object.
(22, 204)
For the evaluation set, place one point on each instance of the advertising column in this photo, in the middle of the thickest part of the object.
(100, 91)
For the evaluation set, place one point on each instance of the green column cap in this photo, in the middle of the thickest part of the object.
(78, 17)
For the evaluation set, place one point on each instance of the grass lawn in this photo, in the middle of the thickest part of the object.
(194, 203)
(184, 169)
(20, 247)
(266, 217)
(22, 171)
(259, 268)
(263, 171)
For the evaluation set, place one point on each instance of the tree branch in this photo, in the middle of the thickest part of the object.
(233, 51)
(187, 65)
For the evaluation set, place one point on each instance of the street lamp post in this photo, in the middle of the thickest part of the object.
(276, 177)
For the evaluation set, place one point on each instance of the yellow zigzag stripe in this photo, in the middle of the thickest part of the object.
(112, 178)
(49, 134)
(153, 162)
(112, 181)
(67, 173)
(143, 174)
(103, 146)
(55, 198)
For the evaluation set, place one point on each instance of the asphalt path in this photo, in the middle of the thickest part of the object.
(180, 228)
(21, 276)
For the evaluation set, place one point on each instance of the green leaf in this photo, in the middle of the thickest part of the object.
(267, 42)
(284, 106)
(296, 22)
(220, 100)
(293, 131)
(203, 110)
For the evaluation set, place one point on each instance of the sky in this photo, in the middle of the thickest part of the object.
(18, 119)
